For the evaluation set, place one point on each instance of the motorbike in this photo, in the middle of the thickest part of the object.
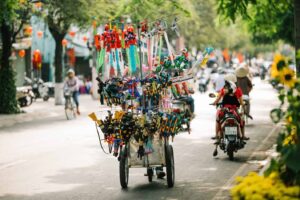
(231, 132)
(25, 96)
(203, 83)
(39, 88)
(263, 72)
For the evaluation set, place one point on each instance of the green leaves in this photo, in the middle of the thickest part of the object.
(276, 115)
(267, 20)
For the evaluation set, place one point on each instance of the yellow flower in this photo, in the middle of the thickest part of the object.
(279, 63)
(289, 119)
(287, 77)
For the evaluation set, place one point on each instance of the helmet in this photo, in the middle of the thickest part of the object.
(71, 71)
(230, 77)
(231, 86)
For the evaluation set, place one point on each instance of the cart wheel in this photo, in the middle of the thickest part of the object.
(150, 174)
(124, 169)
(170, 165)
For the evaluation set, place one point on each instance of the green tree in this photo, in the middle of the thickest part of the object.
(60, 15)
(268, 20)
(12, 17)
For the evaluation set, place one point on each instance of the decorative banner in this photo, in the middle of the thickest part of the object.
(101, 60)
(132, 56)
(169, 47)
(149, 51)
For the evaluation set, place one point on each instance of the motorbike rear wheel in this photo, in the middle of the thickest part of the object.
(230, 150)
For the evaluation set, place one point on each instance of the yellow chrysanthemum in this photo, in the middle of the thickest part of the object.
(279, 63)
(287, 77)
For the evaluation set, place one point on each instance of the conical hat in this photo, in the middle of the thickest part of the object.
(241, 72)
(230, 77)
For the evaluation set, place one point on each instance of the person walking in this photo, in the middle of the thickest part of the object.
(245, 84)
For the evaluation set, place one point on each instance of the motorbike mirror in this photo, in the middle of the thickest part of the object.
(212, 95)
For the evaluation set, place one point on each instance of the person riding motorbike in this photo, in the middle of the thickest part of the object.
(244, 83)
(232, 98)
(72, 83)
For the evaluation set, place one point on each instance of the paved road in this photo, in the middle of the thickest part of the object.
(50, 158)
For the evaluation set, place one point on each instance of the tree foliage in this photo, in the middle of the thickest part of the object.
(12, 17)
(268, 20)
(60, 15)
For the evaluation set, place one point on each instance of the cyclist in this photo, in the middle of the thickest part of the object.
(72, 83)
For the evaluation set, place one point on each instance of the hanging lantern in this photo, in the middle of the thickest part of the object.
(22, 53)
(64, 42)
(37, 60)
(85, 38)
(40, 34)
(28, 30)
(38, 4)
(72, 33)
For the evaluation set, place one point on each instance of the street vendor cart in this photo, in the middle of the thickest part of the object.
(161, 157)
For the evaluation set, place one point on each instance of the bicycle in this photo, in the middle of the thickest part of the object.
(70, 108)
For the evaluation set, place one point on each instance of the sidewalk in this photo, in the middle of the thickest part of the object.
(41, 110)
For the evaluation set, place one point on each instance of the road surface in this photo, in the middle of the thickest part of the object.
(48, 157)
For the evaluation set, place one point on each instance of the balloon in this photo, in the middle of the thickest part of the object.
(22, 53)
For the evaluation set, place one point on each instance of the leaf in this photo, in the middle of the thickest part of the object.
(276, 115)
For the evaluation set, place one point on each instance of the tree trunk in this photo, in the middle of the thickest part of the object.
(8, 102)
(297, 34)
(58, 59)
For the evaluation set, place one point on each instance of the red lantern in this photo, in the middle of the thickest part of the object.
(28, 30)
(37, 60)
(72, 33)
(85, 38)
(22, 53)
(40, 34)
(38, 4)
(64, 42)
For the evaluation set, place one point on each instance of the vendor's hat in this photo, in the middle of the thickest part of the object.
(241, 72)
(230, 77)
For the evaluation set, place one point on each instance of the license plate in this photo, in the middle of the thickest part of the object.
(230, 130)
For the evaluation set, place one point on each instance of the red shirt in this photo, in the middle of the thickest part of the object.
(238, 93)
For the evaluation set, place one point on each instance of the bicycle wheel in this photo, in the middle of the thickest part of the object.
(69, 109)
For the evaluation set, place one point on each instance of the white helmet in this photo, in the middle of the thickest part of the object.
(71, 71)
(230, 77)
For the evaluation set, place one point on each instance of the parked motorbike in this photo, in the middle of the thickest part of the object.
(39, 88)
(231, 132)
(203, 83)
(24, 96)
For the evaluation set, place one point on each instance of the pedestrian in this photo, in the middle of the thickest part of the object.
(245, 84)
